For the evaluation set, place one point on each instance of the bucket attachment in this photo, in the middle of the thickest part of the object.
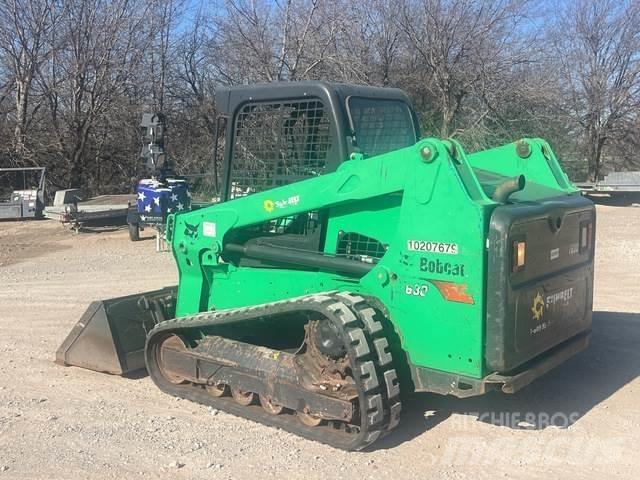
(111, 334)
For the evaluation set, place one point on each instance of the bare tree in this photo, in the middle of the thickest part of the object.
(101, 45)
(164, 14)
(599, 51)
(24, 25)
(459, 45)
(193, 89)
(275, 41)
(370, 43)
(75, 76)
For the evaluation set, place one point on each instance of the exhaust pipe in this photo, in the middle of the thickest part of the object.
(508, 187)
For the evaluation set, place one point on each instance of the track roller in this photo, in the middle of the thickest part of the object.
(217, 390)
(242, 397)
(270, 406)
(309, 419)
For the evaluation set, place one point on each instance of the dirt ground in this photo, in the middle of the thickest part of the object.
(582, 420)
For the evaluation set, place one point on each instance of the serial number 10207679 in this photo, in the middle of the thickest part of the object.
(433, 247)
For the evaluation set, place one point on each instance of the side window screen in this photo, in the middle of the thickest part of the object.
(278, 143)
(381, 126)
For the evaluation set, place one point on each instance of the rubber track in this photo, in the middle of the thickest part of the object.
(371, 361)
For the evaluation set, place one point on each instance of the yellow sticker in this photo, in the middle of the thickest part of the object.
(269, 205)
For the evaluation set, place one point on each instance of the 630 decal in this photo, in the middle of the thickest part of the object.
(416, 290)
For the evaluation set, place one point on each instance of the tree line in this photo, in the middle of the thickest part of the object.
(76, 75)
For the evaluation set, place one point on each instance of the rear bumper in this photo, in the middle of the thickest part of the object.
(541, 365)
(426, 380)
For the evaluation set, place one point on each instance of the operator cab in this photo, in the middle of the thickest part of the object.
(278, 133)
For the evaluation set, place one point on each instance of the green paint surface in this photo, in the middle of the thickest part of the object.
(398, 199)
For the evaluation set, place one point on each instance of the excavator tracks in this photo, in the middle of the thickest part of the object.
(347, 398)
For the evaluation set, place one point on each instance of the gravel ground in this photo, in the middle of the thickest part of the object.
(579, 421)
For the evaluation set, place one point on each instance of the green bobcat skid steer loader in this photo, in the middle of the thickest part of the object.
(350, 260)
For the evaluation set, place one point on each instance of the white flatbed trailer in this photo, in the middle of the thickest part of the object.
(103, 210)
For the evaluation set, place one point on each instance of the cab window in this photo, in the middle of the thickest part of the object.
(381, 126)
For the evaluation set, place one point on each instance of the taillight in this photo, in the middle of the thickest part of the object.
(586, 236)
(518, 255)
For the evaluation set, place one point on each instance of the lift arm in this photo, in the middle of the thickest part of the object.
(198, 237)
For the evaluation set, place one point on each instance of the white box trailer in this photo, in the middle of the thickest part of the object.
(22, 192)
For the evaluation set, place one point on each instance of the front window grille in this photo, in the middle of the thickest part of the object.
(278, 143)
